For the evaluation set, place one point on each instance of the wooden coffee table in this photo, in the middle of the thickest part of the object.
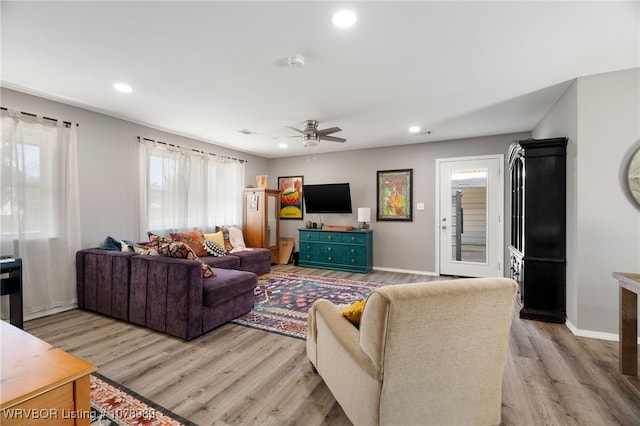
(41, 384)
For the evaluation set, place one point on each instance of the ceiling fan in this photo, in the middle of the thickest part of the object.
(311, 136)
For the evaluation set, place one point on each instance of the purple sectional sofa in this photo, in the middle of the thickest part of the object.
(168, 294)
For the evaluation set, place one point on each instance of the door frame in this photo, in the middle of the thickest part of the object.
(500, 207)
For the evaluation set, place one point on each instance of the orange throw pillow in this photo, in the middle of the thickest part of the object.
(193, 239)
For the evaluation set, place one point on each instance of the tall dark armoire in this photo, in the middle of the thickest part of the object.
(538, 226)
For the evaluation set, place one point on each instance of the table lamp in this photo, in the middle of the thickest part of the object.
(364, 216)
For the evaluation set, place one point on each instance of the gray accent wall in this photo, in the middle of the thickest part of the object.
(401, 246)
(600, 115)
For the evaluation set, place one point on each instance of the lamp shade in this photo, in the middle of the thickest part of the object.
(364, 214)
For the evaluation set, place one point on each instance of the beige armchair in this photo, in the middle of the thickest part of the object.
(425, 353)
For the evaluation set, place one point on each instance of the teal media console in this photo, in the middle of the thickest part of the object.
(350, 251)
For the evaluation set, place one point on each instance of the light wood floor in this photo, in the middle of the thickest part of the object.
(236, 375)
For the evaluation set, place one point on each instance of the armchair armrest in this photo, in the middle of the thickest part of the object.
(330, 324)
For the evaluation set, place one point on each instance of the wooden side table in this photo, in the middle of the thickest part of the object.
(629, 289)
(41, 384)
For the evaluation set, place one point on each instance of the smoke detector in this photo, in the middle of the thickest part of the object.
(296, 61)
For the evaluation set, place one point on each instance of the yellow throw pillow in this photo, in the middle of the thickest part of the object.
(353, 312)
(217, 238)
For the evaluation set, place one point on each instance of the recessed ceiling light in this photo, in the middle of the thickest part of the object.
(283, 145)
(123, 88)
(344, 18)
(414, 129)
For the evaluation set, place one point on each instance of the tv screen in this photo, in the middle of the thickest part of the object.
(327, 198)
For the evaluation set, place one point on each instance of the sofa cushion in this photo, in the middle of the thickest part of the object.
(257, 260)
(225, 285)
(225, 262)
(194, 239)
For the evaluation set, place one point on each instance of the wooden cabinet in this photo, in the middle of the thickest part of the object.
(350, 251)
(41, 384)
(261, 220)
(537, 247)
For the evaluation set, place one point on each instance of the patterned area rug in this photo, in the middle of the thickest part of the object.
(114, 404)
(283, 299)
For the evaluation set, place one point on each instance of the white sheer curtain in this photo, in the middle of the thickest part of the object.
(40, 217)
(226, 183)
(183, 190)
(165, 176)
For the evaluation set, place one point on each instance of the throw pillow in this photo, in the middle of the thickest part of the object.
(353, 312)
(194, 239)
(170, 248)
(110, 243)
(214, 249)
(155, 239)
(217, 238)
(144, 250)
(225, 235)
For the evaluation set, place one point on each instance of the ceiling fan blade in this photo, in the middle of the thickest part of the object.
(329, 131)
(285, 137)
(331, 138)
(293, 128)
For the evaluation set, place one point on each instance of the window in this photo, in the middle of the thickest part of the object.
(29, 188)
(183, 190)
(39, 208)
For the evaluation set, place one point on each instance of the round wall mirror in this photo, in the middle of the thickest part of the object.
(634, 176)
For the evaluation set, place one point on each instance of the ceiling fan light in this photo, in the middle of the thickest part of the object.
(310, 139)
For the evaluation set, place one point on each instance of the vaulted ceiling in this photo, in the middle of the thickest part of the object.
(211, 69)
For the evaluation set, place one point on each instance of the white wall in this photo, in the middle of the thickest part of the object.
(107, 158)
(601, 115)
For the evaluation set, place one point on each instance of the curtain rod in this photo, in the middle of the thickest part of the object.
(192, 149)
(28, 114)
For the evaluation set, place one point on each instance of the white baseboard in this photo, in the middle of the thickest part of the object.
(614, 337)
(405, 271)
(56, 310)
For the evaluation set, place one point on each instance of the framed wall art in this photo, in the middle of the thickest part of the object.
(395, 195)
(291, 197)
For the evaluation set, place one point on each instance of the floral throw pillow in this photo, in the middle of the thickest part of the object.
(193, 239)
(169, 248)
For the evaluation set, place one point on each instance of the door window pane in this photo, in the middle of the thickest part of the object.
(469, 215)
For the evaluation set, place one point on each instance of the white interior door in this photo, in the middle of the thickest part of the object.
(470, 230)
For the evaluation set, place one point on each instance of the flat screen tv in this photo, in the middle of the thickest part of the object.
(327, 198)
